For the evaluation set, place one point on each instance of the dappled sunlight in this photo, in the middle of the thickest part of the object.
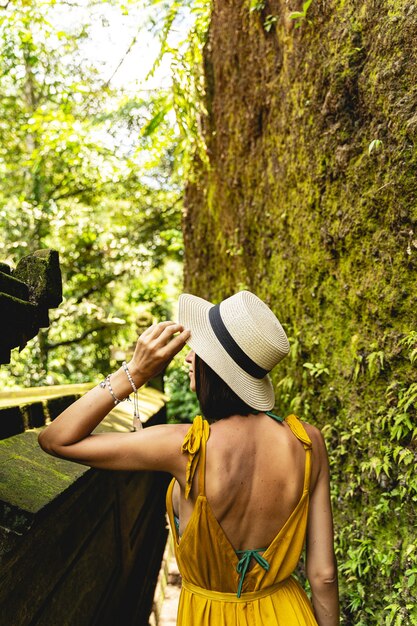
(119, 419)
(17, 397)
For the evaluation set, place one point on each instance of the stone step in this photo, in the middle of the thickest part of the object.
(168, 589)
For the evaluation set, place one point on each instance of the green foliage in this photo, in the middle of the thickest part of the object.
(300, 16)
(183, 404)
(90, 171)
(375, 146)
(410, 343)
(316, 369)
(270, 21)
(374, 486)
(97, 174)
(257, 5)
(188, 95)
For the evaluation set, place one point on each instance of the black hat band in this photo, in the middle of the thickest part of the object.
(231, 347)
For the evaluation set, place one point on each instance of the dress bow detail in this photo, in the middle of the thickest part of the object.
(191, 445)
(242, 566)
(298, 430)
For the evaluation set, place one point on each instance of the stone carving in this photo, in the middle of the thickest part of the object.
(26, 295)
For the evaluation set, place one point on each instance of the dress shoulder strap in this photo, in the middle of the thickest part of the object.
(194, 442)
(300, 432)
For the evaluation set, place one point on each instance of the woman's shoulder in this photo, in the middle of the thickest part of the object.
(190, 431)
(170, 436)
(316, 437)
(320, 465)
(182, 428)
(179, 431)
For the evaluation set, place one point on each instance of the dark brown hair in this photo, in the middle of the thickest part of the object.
(217, 400)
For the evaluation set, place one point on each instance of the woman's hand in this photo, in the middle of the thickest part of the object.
(69, 435)
(155, 348)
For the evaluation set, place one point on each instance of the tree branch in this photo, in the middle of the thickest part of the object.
(106, 83)
(100, 286)
(68, 342)
(128, 50)
(73, 192)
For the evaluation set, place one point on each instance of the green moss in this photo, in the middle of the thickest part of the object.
(29, 478)
(296, 209)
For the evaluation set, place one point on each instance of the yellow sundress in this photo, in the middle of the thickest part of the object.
(212, 573)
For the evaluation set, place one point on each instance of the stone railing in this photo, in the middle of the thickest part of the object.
(26, 295)
(22, 409)
(79, 546)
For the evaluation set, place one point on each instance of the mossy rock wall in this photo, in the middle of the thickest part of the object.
(309, 200)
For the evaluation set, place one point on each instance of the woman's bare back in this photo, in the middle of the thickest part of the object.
(254, 479)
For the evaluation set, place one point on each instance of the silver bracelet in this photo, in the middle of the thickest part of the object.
(106, 383)
(126, 369)
(137, 424)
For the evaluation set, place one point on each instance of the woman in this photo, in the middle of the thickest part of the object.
(247, 489)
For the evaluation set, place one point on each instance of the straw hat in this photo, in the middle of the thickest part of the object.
(240, 339)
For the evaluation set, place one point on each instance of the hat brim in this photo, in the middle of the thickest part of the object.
(193, 314)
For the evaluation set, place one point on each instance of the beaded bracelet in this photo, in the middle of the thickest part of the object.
(106, 383)
(126, 369)
(137, 424)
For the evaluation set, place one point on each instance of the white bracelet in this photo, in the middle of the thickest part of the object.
(106, 383)
(126, 369)
(137, 424)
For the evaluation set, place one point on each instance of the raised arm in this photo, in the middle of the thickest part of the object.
(157, 448)
(321, 561)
